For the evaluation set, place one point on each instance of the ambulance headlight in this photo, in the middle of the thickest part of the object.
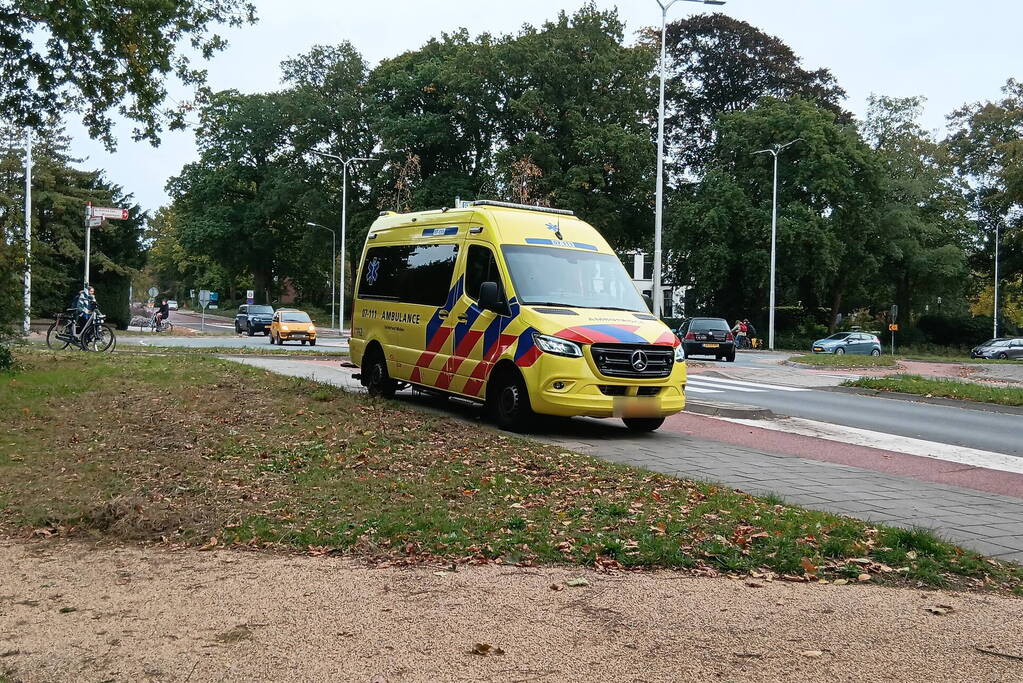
(680, 354)
(557, 347)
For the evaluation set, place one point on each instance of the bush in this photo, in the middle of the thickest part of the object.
(958, 330)
(7, 362)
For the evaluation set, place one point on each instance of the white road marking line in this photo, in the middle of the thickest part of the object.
(890, 442)
(735, 384)
(690, 389)
(723, 387)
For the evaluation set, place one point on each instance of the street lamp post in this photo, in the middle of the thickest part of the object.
(333, 265)
(775, 151)
(655, 285)
(994, 312)
(27, 293)
(344, 223)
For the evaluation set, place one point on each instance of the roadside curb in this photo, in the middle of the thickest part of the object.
(807, 366)
(733, 410)
(933, 400)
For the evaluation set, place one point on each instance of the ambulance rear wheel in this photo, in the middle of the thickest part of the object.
(643, 424)
(509, 402)
(375, 376)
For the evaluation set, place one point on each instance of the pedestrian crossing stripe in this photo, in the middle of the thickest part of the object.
(698, 384)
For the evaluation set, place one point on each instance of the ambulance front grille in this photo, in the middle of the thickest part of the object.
(620, 360)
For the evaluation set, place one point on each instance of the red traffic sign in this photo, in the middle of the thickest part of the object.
(106, 212)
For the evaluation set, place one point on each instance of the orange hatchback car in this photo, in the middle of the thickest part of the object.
(291, 325)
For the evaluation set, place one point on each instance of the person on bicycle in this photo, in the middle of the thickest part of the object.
(162, 313)
(751, 333)
(84, 305)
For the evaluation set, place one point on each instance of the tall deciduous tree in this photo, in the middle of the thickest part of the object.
(828, 222)
(59, 196)
(718, 64)
(578, 102)
(986, 144)
(95, 56)
(924, 215)
(243, 201)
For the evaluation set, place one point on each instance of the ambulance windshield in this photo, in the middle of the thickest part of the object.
(553, 276)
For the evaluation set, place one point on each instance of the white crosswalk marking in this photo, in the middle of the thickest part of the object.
(690, 389)
(722, 384)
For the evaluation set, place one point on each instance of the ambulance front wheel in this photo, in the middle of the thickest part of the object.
(509, 401)
(375, 376)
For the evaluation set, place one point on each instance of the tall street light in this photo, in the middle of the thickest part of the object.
(27, 293)
(775, 151)
(655, 285)
(333, 264)
(344, 221)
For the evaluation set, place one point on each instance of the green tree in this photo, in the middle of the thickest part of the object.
(924, 215)
(95, 56)
(246, 201)
(717, 64)
(829, 241)
(60, 193)
(578, 103)
(986, 145)
(439, 103)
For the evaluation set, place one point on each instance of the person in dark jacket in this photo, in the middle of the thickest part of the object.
(84, 305)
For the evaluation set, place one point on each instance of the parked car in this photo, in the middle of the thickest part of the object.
(252, 318)
(292, 325)
(707, 337)
(172, 305)
(849, 342)
(1002, 348)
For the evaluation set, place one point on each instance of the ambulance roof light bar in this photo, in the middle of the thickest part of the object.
(527, 207)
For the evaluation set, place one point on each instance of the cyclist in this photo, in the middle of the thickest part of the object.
(83, 306)
(162, 313)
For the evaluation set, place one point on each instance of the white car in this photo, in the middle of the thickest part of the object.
(172, 305)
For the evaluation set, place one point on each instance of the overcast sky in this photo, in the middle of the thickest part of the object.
(950, 51)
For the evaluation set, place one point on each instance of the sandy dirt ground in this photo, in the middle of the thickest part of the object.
(68, 612)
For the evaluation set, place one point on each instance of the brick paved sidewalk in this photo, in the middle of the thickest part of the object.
(989, 523)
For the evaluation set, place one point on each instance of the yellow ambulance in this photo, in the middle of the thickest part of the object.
(524, 309)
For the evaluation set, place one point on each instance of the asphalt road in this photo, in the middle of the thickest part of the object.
(219, 333)
(997, 432)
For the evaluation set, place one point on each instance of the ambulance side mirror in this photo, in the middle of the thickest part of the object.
(490, 298)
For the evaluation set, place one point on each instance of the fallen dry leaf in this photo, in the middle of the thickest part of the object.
(484, 649)
(939, 609)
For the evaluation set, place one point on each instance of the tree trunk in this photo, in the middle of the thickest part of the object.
(261, 284)
(836, 304)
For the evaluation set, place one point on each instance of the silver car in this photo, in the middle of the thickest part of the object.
(1001, 348)
(849, 342)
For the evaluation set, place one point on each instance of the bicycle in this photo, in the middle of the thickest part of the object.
(95, 334)
(61, 332)
(163, 325)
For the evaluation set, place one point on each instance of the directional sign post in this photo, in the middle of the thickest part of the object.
(893, 326)
(94, 217)
(204, 301)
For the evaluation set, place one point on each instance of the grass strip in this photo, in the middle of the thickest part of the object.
(830, 360)
(199, 451)
(944, 388)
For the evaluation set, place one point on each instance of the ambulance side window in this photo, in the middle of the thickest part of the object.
(412, 274)
(480, 267)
